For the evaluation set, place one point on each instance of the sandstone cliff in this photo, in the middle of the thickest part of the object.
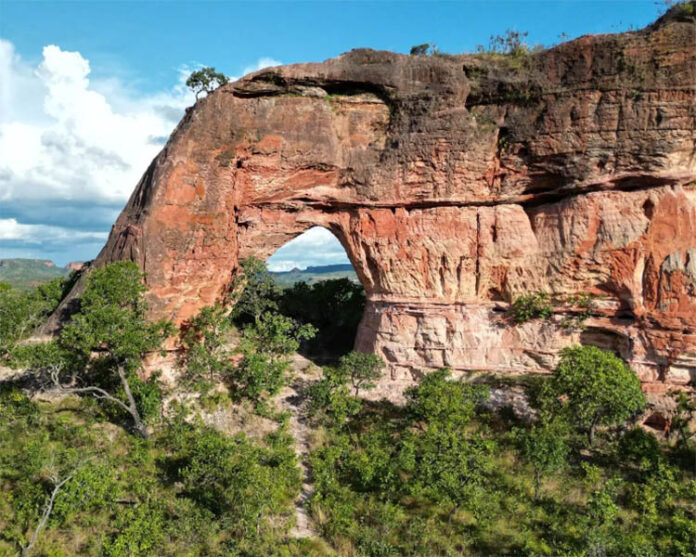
(455, 184)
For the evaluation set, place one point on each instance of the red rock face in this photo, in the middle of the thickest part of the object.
(455, 184)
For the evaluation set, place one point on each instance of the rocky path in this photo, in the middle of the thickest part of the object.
(293, 400)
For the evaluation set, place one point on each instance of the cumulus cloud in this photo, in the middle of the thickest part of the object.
(71, 151)
(73, 148)
(317, 246)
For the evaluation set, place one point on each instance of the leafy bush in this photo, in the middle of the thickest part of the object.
(266, 346)
(333, 307)
(237, 479)
(253, 291)
(531, 306)
(207, 356)
(639, 447)
(546, 447)
(594, 388)
(22, 312)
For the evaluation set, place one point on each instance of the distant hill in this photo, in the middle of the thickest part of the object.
(27, 273)
(315, 274)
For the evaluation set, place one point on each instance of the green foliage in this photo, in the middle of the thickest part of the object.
(531, 306)
(361, 370)
(333, 307)
(266, 347)
(546, 447)
(586, 304)
(236, 479)
(91, 489)
(112, 319)
(188, 491)
(594, 388)
(683, 417)
(449, 404)
(138, 531)
(206, 340)
(639, 447)
(253, 291)
(331, 397)
(22, 312)
(100, 351)
(205, 80)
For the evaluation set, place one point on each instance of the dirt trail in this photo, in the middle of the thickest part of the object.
(293, 400)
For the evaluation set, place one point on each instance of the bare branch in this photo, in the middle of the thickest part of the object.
(100, 393)
(48, 509)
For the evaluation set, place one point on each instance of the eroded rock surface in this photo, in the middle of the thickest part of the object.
(455, 184)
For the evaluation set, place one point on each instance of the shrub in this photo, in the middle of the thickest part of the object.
(546, 446)
(267, 345)
(420, 50)
(22, 312)
(531, 306)
(333, 307)
(253, 291)
(639, 447)
(595, 388)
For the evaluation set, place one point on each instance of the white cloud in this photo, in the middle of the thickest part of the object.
(71, 151)
(73, 145)
(261, 63)
(316, 246)
(39, 234)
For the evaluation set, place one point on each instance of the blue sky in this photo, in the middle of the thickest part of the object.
(89, 91)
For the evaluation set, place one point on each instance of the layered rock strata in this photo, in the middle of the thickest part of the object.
(455, 184)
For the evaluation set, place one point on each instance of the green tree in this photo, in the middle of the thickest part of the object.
(361, 370)
(445, 462)
(253, 291)
(266, 347)
(595, 388)
(237, 479)
(207, 355)
(103, 345)
(545, 444)
(22, 312)
(334, 307)
(446, 403)
(205, 80)
(330, 397)
(684, 415)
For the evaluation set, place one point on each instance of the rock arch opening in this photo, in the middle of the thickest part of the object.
(319, 286)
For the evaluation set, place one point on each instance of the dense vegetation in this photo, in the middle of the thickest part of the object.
(110, 462)
(445, 476)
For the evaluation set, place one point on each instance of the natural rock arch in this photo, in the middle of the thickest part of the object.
(454, 184)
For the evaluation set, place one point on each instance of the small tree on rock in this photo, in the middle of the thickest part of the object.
(205, 80)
